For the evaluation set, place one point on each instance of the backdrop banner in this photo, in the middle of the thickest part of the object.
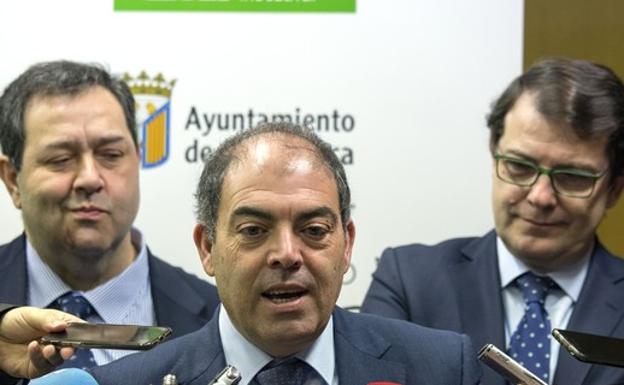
(399, 88)
(237, 5)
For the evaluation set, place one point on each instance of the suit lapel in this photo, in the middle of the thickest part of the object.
(358, 355)
(175, 303)
(476, 280)
(210, 350)
(13, 272)
(214, 367)
(598, 311)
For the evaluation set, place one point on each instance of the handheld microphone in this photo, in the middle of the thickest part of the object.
(228, 376)
(170, 379)
(71, 376)
(507, 367)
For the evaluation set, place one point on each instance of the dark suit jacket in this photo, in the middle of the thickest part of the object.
(181, 301)
(455, 285)
(368, 348)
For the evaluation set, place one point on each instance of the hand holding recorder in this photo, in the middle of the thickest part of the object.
(21, 355)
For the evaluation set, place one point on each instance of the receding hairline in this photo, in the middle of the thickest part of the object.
(293, 144)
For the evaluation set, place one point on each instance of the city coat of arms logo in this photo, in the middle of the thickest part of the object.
(153, 114)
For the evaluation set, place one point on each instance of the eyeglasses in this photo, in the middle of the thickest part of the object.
(570, 182)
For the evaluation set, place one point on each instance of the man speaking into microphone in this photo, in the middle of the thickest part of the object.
(275, 231)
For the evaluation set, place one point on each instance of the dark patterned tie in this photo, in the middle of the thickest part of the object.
(76, 304)
(290, 371)
(530, 343)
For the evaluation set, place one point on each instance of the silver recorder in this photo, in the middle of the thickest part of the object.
(507, 367)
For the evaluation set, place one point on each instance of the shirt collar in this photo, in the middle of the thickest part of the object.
(570, 279)
(108, 299)
(249, 359)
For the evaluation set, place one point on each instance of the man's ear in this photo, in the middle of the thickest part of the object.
(8, 174)
(349, 239)
(204, 248)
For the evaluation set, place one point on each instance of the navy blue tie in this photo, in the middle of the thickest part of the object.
(290, 371)
(74, 303)
(530, 343)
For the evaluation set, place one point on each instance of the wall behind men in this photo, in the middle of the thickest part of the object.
(404, 84)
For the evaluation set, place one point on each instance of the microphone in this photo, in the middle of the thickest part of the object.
(507, 367)
(228, 376)
(71, 376)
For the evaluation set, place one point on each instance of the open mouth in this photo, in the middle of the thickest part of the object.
(284, 296)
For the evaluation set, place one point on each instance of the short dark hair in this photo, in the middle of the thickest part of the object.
(54, 79)
(208, 194)
(587, 96)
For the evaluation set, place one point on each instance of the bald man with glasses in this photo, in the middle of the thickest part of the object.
(557, 145)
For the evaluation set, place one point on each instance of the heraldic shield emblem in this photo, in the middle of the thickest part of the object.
(153, 112)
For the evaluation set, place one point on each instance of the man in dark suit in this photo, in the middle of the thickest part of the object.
(557, 134)
(70, 163)
(180, 300)
(276, 233)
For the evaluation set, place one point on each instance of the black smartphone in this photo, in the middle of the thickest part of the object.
(592, 348)
(507, 366)
(108, 336)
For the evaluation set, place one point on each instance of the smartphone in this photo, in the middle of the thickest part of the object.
(592, 348)
(507, 367)
(108, 336)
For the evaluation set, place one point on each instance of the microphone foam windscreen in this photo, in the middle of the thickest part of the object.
(71, 376)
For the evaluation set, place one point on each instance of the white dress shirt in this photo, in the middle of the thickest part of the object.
(124, 299)
(559, 303)
(249, 359)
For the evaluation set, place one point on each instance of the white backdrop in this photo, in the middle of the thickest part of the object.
(417, 76)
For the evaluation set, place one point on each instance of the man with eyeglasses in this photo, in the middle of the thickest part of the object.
(557, 143)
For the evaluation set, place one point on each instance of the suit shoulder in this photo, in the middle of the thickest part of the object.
(421, 254)
(421, 248)
(178, 356)
(611, 258)
(445, 356)
(15, 248)
(400, 331)
(404, 337)
(175, 272)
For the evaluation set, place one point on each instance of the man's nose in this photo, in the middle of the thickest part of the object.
(285, 251)
(88, 176)
(542, 193)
